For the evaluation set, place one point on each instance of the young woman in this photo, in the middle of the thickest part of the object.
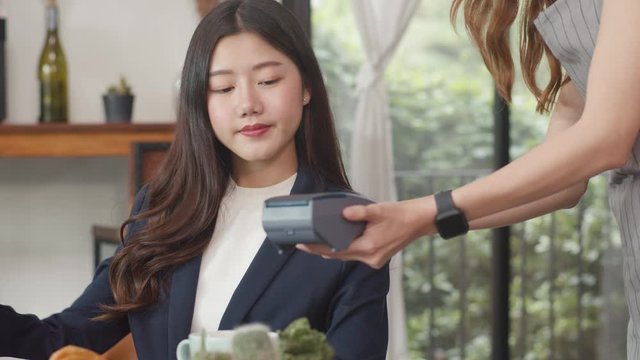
(254, 122)
(594, 128)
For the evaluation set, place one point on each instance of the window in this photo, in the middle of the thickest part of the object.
(566, 293)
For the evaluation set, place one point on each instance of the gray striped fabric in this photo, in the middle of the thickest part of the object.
(569, 28)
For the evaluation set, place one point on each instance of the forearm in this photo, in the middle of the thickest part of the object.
(567, 112)
(27, 336)
(571, 157)
(563, 125)
(23, 336)
(563, 199)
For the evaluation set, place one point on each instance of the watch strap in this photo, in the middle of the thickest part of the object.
(444, 200)
(450, 220)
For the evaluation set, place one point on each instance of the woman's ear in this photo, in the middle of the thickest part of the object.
(306, 96)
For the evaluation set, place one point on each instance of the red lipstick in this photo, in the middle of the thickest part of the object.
(254, 130)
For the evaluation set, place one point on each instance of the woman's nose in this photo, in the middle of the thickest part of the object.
(249, 103)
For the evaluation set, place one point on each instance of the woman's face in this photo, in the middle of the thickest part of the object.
(255, 101)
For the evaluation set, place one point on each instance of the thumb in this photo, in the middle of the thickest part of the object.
(355, 213)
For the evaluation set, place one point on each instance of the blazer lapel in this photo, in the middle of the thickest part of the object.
(182, 296)
(264, 267)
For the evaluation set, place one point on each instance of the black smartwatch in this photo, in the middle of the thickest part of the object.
(450, 221)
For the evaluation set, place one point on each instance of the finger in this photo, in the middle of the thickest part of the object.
(355, 213)
(326, 252)
(314, 249)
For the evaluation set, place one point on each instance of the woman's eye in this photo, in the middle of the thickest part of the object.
(269, 82)
(223, 90)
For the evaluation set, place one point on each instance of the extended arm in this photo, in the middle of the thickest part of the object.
(567, 112)
(28, 337)
(601, 139)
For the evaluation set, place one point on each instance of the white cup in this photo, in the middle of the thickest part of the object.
(217, 341)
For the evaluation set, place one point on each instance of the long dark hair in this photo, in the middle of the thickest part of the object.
(182, 201)
(488, 23)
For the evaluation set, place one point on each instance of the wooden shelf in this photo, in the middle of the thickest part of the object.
(67, 140)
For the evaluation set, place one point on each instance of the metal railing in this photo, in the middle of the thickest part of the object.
(566, 298)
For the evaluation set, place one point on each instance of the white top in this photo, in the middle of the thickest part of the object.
(235, 242)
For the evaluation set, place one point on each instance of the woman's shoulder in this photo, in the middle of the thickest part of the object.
(569, 28)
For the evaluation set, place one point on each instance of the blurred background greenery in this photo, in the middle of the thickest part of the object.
(566, 297)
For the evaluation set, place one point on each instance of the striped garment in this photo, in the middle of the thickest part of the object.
(569, 28)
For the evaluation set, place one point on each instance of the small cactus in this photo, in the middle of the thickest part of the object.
(122, 88)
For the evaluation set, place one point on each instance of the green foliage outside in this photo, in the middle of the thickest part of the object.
(441, 109)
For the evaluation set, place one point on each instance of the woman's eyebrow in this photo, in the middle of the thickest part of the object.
(258, 66)
(265, 64)
(220, 72)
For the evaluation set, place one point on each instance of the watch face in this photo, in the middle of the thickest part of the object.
(451, 224)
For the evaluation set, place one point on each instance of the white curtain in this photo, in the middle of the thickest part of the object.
(381, 24)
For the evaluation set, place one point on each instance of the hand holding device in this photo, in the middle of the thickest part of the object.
(311, 219)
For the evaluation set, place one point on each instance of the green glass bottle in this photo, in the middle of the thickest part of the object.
(52, 73)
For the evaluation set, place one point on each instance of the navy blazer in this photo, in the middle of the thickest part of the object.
(346, 300)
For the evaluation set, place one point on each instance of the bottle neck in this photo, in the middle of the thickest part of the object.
(52, 18)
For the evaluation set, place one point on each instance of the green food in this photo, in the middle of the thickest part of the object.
(300, 342)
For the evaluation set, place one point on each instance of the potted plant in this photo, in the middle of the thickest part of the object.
(118, 102)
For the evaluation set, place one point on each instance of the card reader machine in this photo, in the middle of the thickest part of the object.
(311, 219)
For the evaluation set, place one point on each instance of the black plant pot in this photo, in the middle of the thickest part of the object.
(118, 108)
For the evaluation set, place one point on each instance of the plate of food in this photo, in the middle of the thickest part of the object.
(256, 342)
